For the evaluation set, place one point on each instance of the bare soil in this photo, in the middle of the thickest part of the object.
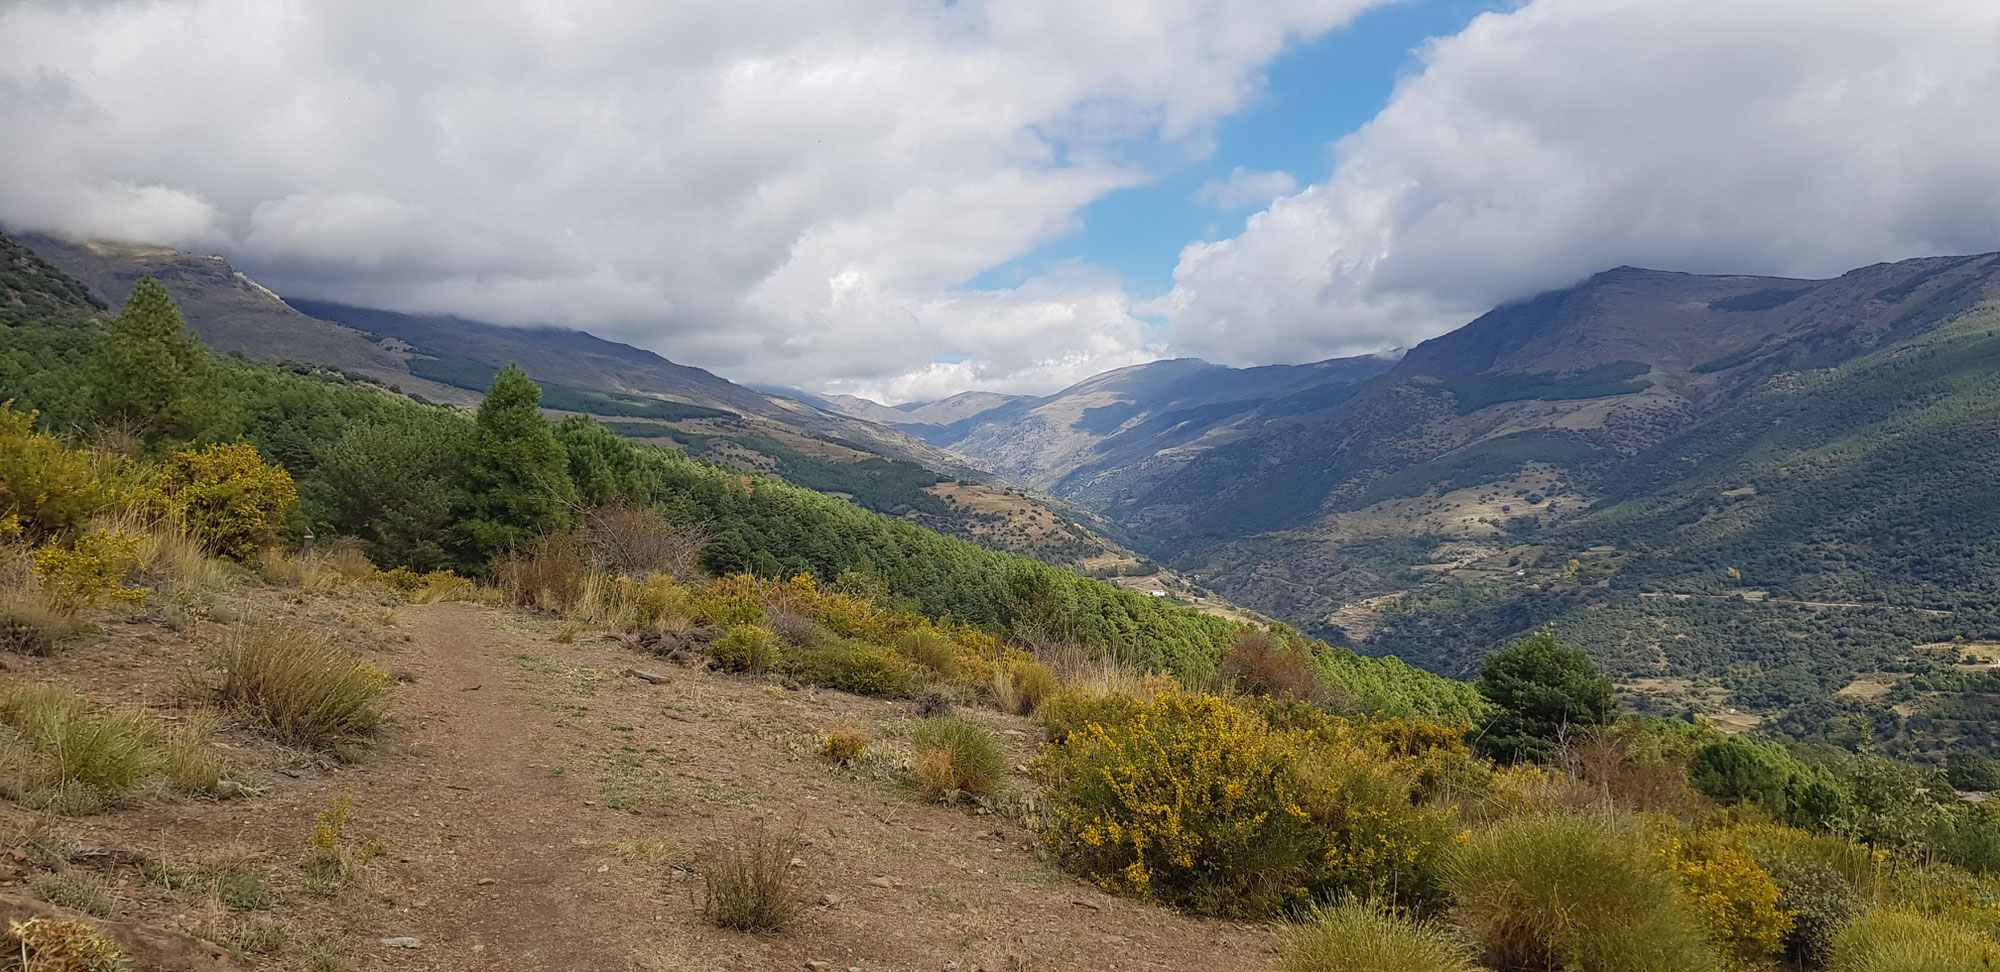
(536, 808)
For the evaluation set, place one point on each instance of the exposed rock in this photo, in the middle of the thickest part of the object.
(146, 946)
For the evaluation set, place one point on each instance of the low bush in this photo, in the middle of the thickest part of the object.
(29, 625)
(930, 648)
(229, 497)
(1820, 902)
(798, 629)
(656, 602)
(626, 538)
(843, 746)
(954, 756)
(429, 587)
(93, 569)
(1108, 699)
(1020, 683)
(1358, 937)
(1968, 837)
(46, 486)
(1574, 891)
(933, 701)
(1734, 898)
(70, 755)
(299, 686)
(746, 648)
(1196, 802)
(857, 667)
(547, 574)
(1893, 940)
(1262, 663)
(749, 883)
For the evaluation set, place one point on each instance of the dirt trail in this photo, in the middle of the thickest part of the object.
(526, 761)
(537, 810)
(481, 850)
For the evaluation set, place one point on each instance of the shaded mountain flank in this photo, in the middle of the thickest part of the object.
(1759, 497)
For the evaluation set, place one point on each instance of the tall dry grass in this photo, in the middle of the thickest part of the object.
(749, 883)
(1359, 937)
(1579, 891)
(298, 685)
(953, 756)
(68, 755)
(1894, 940)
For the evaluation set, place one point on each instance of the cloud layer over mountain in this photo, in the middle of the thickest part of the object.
(1571, 136)
(798, 193)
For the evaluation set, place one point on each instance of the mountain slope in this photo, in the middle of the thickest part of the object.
(1742, 493)
(635, 392)
(1113, 433)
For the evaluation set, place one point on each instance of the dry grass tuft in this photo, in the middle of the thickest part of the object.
(30, 625)
(750, 883)
(1022, 683)
(346, 558)
(956, 757)
(70, 756)
(300, 686)
(1356, 936)
(188, 754)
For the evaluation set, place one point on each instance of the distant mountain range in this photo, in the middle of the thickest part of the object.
(1747, 495)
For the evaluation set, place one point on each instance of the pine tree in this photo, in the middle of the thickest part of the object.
(148, 368)
(1542, 691)
(517, 483)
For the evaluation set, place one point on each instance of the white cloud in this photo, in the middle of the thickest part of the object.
(1245, 189)
(785, 192)
(1569, 136)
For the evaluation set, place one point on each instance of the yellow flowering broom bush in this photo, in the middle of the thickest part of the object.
(91, 570)
(1196, 802)
(1733, 897)
(228, 496)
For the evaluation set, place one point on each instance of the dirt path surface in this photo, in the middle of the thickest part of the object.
(537, 809)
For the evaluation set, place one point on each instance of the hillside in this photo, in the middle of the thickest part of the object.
(635, 392)
(541, 694)
(1119, 432)
(1602, 456)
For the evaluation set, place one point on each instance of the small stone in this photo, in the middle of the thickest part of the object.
(401, 943)
(818, 966)
(829, 900)
(798, 862)
(885, 882)
(1012, 732)
(488, 881)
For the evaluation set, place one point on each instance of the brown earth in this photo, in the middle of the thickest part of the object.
(537, 809)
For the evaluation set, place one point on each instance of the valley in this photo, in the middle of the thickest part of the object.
(1696, 457)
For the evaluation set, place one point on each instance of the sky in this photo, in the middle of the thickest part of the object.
(905, 199)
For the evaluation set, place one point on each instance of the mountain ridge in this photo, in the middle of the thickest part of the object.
(636, 392)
